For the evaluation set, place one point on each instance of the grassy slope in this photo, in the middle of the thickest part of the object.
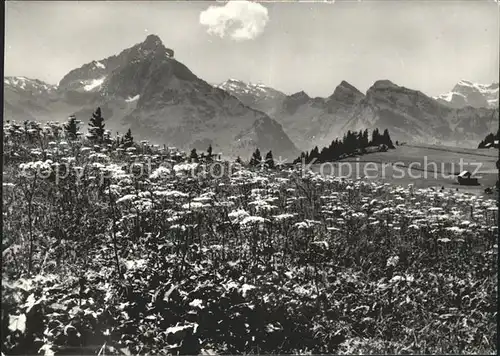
(425, 160)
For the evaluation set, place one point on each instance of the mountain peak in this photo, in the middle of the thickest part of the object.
(300, 95)
(153, 40)
(29, 84)
(152, 44)
(467, 93)
(345, 88)
(346, 84)
(384, 84)
(345, 94)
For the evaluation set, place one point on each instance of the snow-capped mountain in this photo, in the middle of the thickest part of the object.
(145, 88)
(308, 121)
(258, 96)
(28, 99)
(410, 115)
(24, 84)
(466, 93)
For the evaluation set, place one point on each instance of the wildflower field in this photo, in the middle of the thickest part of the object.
(114, 251)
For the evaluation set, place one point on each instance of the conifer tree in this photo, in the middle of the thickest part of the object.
(387, 139)
(209, 153)
(194, 155)
(323, 155)
(128, 139)
(365, 139)
(96, 126)
(256, 158)
(71, 128)
(270, 160)
(375, 138)
(314, 155)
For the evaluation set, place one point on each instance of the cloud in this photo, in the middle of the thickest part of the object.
(239, 20)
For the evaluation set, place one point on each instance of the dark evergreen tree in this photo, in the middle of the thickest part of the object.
(96, 126)
(128, 139)
(270, 160)
(194, 155)
(359, 139)
(365, 139)
(350, 143)
(323, 155)
(300, 158)
(256, 158)
(335, 150)
(489, 139)
(387, 139)
(209, 153)
(375, 138)
(238, 160)
(314, 155)
(71, 128)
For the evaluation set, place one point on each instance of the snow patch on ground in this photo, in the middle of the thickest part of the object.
(94, 84)
(135, 98)
(100, 65)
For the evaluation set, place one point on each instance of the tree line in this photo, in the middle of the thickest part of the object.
(96, 131)
(351, 143)
(489, 140)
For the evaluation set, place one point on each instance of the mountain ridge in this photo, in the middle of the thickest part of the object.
(144, 87)
(171, 104)
(412, 114)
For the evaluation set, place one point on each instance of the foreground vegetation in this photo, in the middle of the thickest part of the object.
(102, 256)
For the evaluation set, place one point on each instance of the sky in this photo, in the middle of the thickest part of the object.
(290, 46)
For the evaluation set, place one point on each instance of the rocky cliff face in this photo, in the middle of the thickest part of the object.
(466, 93)
(145, 88)
(410, 115)
(258, 96)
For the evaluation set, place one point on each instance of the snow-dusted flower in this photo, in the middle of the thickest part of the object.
(160, 172)
(238, 215)
(282, 217)
(392, 261)
(170, 194)
(253, 220)
(185, 167)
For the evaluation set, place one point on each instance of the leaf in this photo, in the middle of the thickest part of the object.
(17, 322)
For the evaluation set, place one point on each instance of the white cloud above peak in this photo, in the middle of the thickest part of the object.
(238, 20)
